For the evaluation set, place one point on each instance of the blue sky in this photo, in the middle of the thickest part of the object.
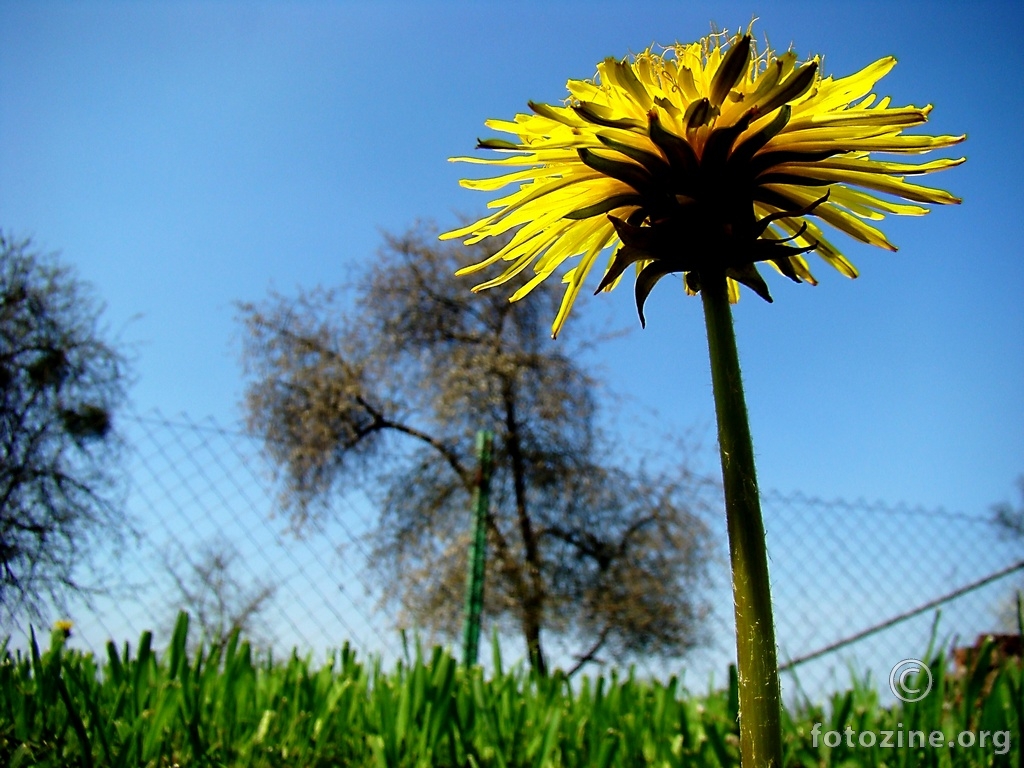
(185, 156)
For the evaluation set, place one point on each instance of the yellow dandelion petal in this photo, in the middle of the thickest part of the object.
(705, 158)
(870, 206)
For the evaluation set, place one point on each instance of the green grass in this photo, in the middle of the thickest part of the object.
(61, 707)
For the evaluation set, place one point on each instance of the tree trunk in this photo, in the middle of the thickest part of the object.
(531, 630)
(533, 600)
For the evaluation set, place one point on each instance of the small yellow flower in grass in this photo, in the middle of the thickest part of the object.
(703, 157)
(63, 626)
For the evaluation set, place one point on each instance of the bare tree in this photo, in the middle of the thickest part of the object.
(1009, 521)
(60, 383)
(386, 392)
(218, 599)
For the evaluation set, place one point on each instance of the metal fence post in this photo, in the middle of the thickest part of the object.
(478, 550)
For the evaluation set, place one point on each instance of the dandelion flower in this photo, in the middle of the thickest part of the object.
(64, 627)
(704, 158)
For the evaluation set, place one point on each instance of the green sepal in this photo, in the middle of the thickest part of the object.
(653, 163)
(795, 86)
(748, 275)
(769, 78)
(498, 144)
(645, 282)
(592, 113)
(768, 160)
(637, 217)
(762, 224)
(628, 173)
(640, 238)
(793, 178)
(778, 199)
(772, 250)
(742, 154)
(730, 70)
(799, 233)
(716, 150)
(673, 239)
(699, 113)
(623, 258)
(680, 154)
(608, 204)
(546, 110)
(786, 268)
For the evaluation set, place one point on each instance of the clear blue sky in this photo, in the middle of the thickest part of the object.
(184, 156)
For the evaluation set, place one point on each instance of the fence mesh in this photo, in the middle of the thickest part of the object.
(840, 570)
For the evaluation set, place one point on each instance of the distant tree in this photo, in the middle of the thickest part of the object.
(218, 600)
(386, 392)
(1009, 520)
(60, 382)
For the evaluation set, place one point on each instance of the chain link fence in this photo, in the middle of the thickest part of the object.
(857, 586)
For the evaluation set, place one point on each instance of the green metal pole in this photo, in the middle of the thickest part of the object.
(478, 550)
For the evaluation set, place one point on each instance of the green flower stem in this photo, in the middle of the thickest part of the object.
(760, 723)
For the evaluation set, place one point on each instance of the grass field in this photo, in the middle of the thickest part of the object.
(61, 707)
